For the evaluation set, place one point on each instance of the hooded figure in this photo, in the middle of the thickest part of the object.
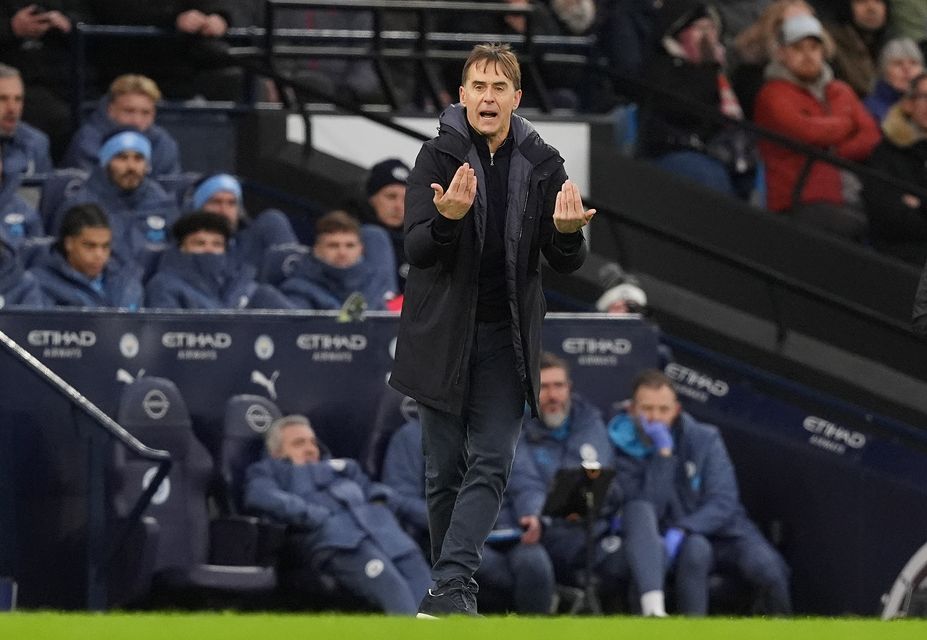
(338, 268)
(197, 274)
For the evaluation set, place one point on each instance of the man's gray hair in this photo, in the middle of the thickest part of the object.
(273, 439)
(6, 71)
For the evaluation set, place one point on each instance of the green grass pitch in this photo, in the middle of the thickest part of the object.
(232, 626)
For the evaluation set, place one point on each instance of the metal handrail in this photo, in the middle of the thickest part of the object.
(753, 267)
(96, 520)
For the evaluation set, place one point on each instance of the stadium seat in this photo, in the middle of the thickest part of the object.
(280, 261)
(59, 186)
(185, 572)
(178, 185)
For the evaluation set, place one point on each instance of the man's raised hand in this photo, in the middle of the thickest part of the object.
(457, 200)
(569, 215)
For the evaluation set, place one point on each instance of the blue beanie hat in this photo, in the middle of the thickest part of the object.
(213, 185)
(124, 141)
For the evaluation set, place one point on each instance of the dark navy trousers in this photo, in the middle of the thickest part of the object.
(468, 457)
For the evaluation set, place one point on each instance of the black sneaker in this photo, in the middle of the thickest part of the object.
(452, 597)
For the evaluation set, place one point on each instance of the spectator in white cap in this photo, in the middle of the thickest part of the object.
(801, 100)
(623, 298)
(139, 210)
(900, 62)
(251, 238)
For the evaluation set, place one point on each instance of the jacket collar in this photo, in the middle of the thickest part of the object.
(454, 137)
(775, 70)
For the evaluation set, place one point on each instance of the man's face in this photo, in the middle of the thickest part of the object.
(203, 241)
(805, 59)
(225, 204)
(869, 14)
(341, 249)
(127, 170)
(916, 104)
(11, 104)
(901, 71)
(89, 251)
(132, 110)
(298, 444)
(655, 404)
(490, 98)
(554, 398)
(389, 203)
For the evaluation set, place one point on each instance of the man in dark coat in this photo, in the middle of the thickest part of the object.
(897, 218)
(484, 199)
(346, 522)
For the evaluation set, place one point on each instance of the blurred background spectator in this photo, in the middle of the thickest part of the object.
(132, 101)
(898, 220)
(802, 100)
(859, 33)
(34, 37)
(689, 62)
(900, 62)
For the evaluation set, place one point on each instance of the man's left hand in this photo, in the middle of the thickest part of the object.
(569, 214)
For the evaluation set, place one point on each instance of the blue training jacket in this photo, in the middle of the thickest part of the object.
(332, 500)
(64, 286)
(695, 489)
(140, 219)
(82, 152)
(208, 281)
(27, 152)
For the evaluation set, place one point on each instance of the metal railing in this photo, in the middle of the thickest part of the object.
(99, 558)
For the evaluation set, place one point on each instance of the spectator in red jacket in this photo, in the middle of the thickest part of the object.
(802, 100)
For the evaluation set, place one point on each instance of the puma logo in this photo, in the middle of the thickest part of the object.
(268, 383)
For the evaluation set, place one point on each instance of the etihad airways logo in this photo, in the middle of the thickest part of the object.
(61, 345)
(332, 347)
(597, 352)
(196, 346)
(832, 437)
(695, 384)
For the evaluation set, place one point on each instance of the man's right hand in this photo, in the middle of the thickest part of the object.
(457, 200)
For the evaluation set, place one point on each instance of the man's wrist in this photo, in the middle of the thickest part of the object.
(444, 229)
